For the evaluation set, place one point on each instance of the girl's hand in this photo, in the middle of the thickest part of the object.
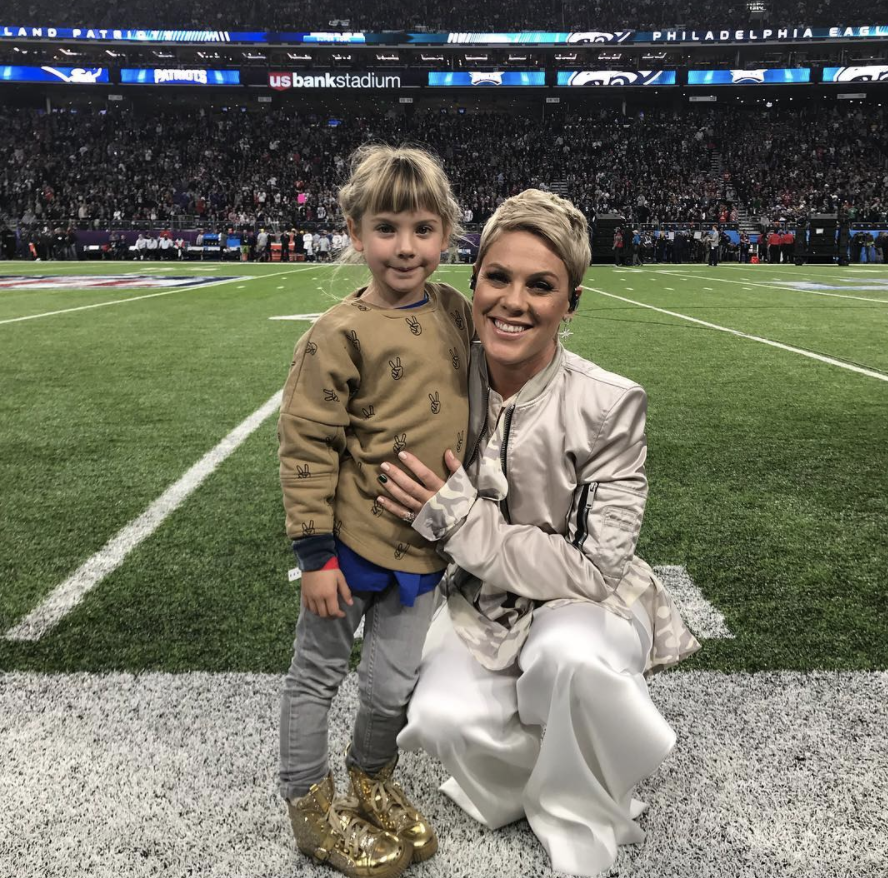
(321, 590)
(408, 495)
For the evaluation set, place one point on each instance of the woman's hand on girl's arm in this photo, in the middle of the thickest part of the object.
(408, 494)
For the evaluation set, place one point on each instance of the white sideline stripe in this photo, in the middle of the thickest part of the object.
(778, 287)
(215, 283)
(308, 318)
(700, 615)
(775, 344)
(71, 592)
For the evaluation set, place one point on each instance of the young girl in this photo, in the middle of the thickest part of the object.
(383, 371)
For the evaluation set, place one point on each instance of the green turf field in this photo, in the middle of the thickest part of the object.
(768, 468)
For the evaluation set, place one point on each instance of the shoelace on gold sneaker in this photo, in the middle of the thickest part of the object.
(358, 834)
(391, 799)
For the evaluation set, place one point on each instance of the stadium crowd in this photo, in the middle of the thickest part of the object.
(244, 169)
(437, 15)
(806, 163)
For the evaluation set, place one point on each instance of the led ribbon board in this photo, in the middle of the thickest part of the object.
(872, 73)
(97, 34)
(773, 76)
(169, 76)
(582, 78)
(522, 78)
(794, 34)
(70, 75)
(373, 79)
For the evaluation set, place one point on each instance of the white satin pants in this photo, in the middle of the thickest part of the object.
(561, 740)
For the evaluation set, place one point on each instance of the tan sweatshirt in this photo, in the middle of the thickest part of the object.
(366, 383)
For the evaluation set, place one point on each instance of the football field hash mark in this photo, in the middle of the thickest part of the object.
(71, 592)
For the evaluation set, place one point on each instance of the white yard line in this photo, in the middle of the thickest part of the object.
(776, 344)
(153, 295)
(778, 288)
(701, 616)
(71, 592)
(308, 318)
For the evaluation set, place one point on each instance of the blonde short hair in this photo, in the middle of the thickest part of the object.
(394, 179)
(544, 214)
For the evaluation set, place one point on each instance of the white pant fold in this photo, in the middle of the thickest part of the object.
(580, 679)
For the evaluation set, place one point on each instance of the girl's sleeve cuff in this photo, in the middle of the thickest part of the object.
(448, 508)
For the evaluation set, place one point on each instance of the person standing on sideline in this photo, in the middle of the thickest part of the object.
(618, 246)
(787, 246)
(775, 240)
(713, 240)
(382, 371)
(262, 246)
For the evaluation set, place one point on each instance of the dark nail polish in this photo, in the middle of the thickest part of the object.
(382, 479)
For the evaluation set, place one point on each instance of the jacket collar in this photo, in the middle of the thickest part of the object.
(536, 385)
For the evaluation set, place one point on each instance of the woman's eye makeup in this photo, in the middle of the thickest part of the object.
(498, 277)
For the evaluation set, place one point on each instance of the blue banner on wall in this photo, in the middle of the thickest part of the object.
(70, 75)
(581, 78)
(504, 77)
(872, 73)
(773, 76)
(171, 76)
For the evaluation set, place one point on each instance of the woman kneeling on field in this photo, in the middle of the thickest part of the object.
(550, 622)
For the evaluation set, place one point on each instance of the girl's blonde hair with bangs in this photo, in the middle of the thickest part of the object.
(548, 216)
(395, 179)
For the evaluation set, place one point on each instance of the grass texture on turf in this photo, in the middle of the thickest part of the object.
(768, 470)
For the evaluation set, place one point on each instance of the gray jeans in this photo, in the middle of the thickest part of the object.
(393, 639)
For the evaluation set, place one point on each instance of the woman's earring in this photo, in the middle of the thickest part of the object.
(565, 332)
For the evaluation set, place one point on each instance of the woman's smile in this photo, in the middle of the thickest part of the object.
(507, 327)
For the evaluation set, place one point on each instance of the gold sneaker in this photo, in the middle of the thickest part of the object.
(383, 803)
(334, 832)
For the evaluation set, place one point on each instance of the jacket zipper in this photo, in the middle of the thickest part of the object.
(582, 511)
(504, 503)
(481, 434)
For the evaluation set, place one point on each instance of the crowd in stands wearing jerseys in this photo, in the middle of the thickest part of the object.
(799, 164)
(280, 168)
(438, 15)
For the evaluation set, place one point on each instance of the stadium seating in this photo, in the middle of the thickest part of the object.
(379, 15)
(246, 169)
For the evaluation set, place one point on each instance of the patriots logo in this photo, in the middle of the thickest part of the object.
(78, 74)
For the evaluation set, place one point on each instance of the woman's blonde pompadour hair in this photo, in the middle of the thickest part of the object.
(544, 214)
(394, 179)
